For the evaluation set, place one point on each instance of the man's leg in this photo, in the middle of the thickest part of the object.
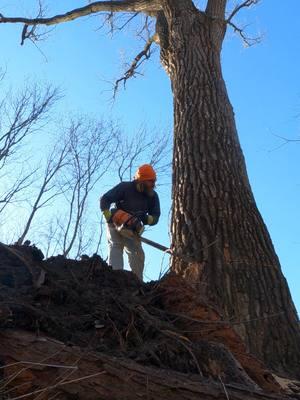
(115, 247)
(136, 255)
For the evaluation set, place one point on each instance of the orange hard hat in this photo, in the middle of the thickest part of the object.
(145, 173)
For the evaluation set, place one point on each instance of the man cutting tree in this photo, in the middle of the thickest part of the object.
(137, 204)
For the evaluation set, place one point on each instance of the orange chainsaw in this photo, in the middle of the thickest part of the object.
(131, 226)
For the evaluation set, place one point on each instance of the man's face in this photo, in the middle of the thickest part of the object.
(149, 185)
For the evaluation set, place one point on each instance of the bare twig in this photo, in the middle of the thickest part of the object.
(31, 32)
(59, 384)
(244, 4)
(285, 141)
(20, 184)
(39, 364)
(224, 387)
(56, 161)
(182, 340)
(155, 148)
(22, 115)
(247, 40)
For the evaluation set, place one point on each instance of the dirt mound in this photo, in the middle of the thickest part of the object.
(78, 330)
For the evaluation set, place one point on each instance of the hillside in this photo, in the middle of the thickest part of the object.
(78, 330)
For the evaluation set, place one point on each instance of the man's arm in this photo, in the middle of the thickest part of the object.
(113, 195)
(154, 211)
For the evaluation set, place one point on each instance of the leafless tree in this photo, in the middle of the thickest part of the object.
(48, 190)
(21, 115)
(140, 148)
(16, 185)
(52, 237)
(99, 236)
(92, 147)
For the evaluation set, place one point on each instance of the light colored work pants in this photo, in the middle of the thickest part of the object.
(133, 247)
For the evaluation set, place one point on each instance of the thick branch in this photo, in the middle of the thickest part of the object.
(216, 8)
(96, 7)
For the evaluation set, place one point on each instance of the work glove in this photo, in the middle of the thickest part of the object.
(139, 228)
(149, 220)
(107, 215)
(136, 225)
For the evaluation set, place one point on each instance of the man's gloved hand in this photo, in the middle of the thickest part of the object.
(136, 225)
(149, 220)
(107, 215)
(139, 228)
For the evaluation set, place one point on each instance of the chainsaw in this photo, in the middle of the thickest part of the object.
(130, 226)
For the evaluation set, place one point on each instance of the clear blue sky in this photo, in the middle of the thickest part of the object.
(263, 83)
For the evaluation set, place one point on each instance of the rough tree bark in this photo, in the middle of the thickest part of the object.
(215, 221)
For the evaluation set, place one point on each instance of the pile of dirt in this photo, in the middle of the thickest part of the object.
(78, 330)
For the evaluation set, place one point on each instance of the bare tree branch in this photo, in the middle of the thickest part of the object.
(20, 184)
(244, 4)
(31, 33)
(91, 155)
(285, 141)
(111, 20)
(56, 161)
(52, 235)
(247, 40)
(22, 115)
(155, 149)
(93, 8)
(144, 55)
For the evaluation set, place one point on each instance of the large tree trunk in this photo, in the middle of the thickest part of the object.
(215, 223)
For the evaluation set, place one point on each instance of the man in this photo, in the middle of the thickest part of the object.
(139, 199)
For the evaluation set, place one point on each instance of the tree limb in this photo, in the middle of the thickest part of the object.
(93, 8)
(244, 4)
(139, 59)
(248, 41)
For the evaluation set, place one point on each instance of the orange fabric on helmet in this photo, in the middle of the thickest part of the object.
(145, 173)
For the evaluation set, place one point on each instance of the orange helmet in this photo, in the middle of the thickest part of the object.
(145, 173)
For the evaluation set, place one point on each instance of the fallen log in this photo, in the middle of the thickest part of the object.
(33, 366)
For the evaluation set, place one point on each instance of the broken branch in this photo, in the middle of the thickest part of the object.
(139, 59)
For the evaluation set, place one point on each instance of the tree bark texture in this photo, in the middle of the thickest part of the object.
(215, 221)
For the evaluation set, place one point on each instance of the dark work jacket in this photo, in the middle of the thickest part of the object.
(126, 197)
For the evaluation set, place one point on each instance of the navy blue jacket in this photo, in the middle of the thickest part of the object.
(126, 197)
